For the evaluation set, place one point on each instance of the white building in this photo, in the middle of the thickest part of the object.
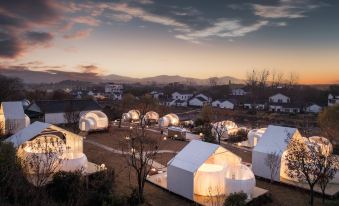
(198, 101)
(206, 169)
(238, 92)
(156, 94)
(54, 111)
(313, 108)
(177, 95)
(333, 99)
(274, 140)
(279, 98)
(177, 103)
(12, 117)
(285, 107)
(203, 96)
(222, 103)
(114, 91)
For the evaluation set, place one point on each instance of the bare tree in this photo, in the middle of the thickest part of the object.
(72, 116)
(305, 162)
(219, 130)
(292, 79)
(142, 152)
(328, 173)
(213, 81)
(43, 161)
(273, 162)
(263, 76)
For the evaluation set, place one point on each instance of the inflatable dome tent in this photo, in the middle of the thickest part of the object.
(323, 145)
(169, 120)
(151, 117)
(93, 121)
(131, 116)
(225, 128)
(254, 136)
(43, 146)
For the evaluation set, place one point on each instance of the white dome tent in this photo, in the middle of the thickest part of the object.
(212, 171)
(225, 128)
(169, 120)
(151, 117)
(45, 141)
(254, 136)
(322, 143)
(131, 116)
(93, 121)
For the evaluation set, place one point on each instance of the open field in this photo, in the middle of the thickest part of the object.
(125, 179)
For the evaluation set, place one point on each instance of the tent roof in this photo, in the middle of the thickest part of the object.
(13, 110)
(274, 139)
(193, 155)
(31, 131)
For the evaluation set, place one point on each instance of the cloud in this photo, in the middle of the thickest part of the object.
(36, 38)
(223, 28)
(78, 34)
(121, 17)
(90, 69)
(88, 20)
(10, 46)
(285, 9)
(145, 1)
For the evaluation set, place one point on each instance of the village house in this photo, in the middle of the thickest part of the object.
(223, 103)
(313, 108)
(333, 99)
(177, 95)
(238, 92)
(54, 111)
(114, 91)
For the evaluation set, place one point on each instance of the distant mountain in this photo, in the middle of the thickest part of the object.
(54, 76)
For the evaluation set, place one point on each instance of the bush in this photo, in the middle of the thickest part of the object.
(261, 200)
(240, 136)
(66, 187)
(236, 199)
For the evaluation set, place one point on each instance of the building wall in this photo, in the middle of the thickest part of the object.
(227, 105)
(180, 182)
(279, 98)
(196, 102)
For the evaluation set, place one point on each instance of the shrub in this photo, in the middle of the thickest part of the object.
(236, 199)
(240, 136)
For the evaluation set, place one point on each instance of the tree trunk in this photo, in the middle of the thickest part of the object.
(311, 195)
(120, 123)
(323, 196)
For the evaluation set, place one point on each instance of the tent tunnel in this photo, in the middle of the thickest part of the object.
(254, 136)
(169, 120)
(93, 121)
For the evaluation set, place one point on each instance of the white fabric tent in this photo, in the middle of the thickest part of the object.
(151, 117)
(131, 116)
(12, 117)
(200, 167)
(93, 120)
(254, 136)
(225, 128)
(274, 140)
(72, 156)
(169, 120)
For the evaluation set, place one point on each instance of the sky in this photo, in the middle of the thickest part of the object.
(192, 38)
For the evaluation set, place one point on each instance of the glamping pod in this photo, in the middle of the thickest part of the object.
(210, 172)
(321, 143)
(274, 140)
(93, 121)
(151, 117)
(169, 120)
(225, 128)
(42, 144)
(131, 116)
(254, 135)
(12, 117)
(239, 178)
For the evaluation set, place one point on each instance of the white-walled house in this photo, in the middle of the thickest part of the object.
(176, 103)
(285, 107)
(274, 140)
(12, 117)
(279, 98)
(53, 111)
(156, 94)
(207, 98)
(238, 92)
(177, 95)
(313, 108)
(333, 99)
(223, 103)
(197, 101)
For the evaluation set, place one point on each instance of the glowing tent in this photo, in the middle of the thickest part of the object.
(131, 116)
(151, 117)
(225, 128)
(93, 121)
(12, 117)
(207, 169)
(44, 141)
(274, 140)
(254, 136)
(169, 120)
